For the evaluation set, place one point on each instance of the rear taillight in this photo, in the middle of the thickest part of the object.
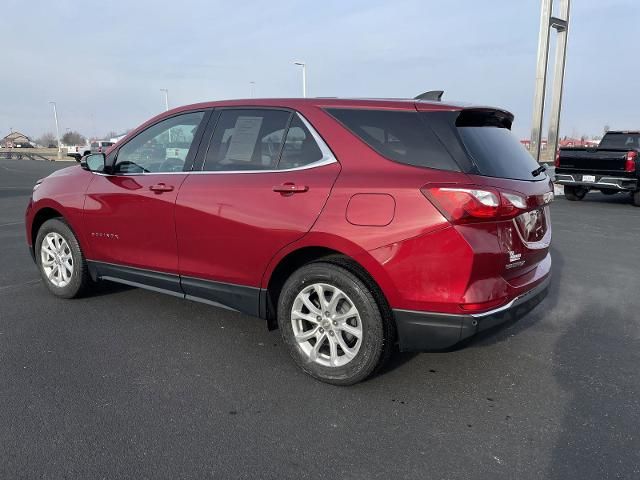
(630, 164)
(469, 204)
(556, 163)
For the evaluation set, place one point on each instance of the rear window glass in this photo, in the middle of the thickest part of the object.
(497, 153)
(620, 140)
(400, 136)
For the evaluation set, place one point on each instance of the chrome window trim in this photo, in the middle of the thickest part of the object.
(327, 159)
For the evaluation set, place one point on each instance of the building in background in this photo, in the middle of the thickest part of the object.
(16, 140)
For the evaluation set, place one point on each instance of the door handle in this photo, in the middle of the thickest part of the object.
(290, 188)
(161, 187)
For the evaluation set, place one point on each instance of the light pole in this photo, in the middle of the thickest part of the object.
(252, 85)
(304, 77)
(166, 97)
(55, 116)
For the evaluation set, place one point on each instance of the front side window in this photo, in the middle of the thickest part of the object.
(163, 147)
(247, 139)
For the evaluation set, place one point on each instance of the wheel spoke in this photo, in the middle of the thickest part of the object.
(341, 317)
(345, 327)
(333, 303)
(313, 354)
(343, 345)
(320, 292)
(309, 304)
(304, 316)
(333, 350)
(307, 335)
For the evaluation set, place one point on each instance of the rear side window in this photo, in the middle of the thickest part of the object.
(300, 148)
(247, 139)
(401, 136)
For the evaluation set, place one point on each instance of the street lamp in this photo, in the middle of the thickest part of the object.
(252, 85)
(55, 116)
(304, 77)
(166, 97)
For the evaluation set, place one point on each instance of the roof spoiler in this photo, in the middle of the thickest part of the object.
(433, 95)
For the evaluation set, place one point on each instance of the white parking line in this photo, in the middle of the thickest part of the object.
(12, 223)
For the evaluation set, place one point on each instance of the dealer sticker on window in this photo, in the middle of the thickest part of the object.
(588, 178)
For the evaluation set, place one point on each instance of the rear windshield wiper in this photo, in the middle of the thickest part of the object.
(539, 170)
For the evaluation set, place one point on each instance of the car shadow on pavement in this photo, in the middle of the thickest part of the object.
(105, 287)
(596, 364)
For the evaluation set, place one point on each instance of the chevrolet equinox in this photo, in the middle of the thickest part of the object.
(353, 226)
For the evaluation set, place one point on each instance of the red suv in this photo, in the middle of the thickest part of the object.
(352, 225)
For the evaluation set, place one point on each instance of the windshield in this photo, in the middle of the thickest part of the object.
(621, 140)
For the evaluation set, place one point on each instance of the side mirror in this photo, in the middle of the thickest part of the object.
(94, 162)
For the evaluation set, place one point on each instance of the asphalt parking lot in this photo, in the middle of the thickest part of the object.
(131, 383)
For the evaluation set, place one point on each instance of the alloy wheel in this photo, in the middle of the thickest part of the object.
(56, 259)
(326, 325)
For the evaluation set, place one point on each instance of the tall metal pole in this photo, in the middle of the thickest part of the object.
(562, 27)
(304, 77)
(251, 88)
(55, 117)
(166, 98)
(541, 78)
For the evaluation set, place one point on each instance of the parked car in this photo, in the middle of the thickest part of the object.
(100, 146)
(612, 167)
(351, 225)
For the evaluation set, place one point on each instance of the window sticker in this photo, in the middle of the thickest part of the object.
(243, 140)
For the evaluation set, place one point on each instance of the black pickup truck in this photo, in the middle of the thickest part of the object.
(612, 167)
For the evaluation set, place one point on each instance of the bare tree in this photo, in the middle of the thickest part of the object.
(606, 128)
(73, 138)
(47, 139)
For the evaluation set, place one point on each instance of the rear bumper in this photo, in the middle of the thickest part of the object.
(425, 331)
(624, 184)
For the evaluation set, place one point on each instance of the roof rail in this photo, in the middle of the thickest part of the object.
(433, 95)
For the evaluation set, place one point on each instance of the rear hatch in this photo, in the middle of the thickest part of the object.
(518, 192)
(488, 186)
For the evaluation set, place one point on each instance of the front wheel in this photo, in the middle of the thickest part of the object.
(574, 193)
(332, 324)
(62, 265)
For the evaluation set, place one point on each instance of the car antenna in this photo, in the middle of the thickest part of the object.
(433, 95)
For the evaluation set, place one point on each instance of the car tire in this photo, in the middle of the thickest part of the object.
(324, 342)
(635, 198)
(574, 193)
(62, 264)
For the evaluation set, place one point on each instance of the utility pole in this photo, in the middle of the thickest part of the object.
(55, 117)
(304, 77)
(166, 98)
(561, 25)
(252, 85)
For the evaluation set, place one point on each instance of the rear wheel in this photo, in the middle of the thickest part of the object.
(332, 324)
(574, 193)
(635, 198)
(61, 262)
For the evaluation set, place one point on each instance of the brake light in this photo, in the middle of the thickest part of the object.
(630, 164)
(556, 163)
(462, 204)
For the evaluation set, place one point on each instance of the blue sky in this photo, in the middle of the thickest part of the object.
(104, 63)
